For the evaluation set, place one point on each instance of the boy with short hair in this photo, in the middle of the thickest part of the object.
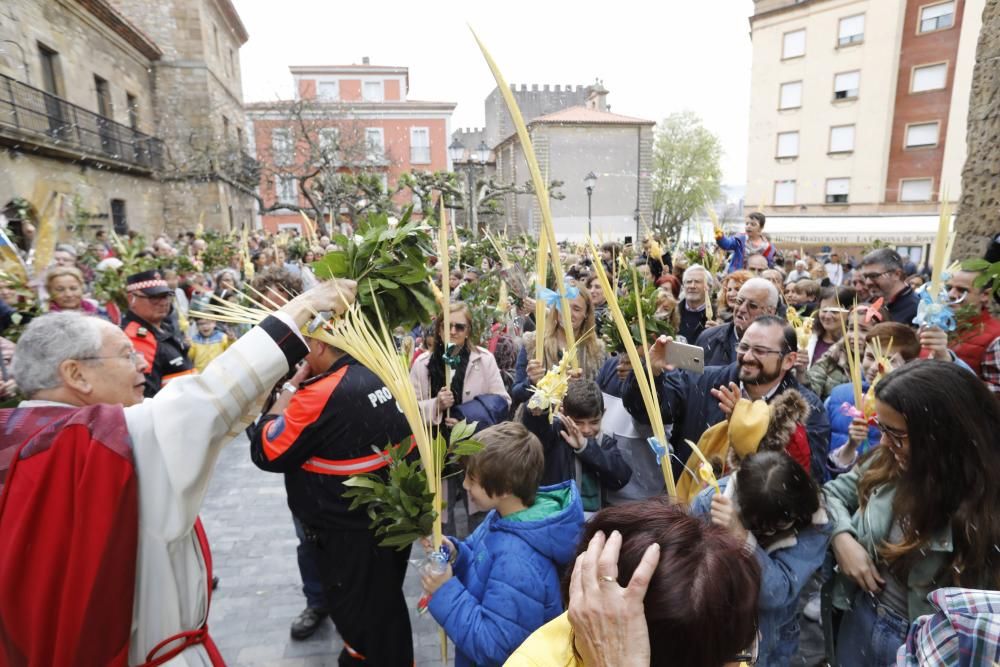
(804, 296)
(576, 449)
(502, 583)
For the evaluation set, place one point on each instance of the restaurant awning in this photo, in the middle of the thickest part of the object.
(853, 230)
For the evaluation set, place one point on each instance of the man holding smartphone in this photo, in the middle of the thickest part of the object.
(764, 368)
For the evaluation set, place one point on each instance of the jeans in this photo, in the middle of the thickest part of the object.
(870, 634)
(312, 584)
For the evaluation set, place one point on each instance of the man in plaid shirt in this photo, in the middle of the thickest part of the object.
(965, 630)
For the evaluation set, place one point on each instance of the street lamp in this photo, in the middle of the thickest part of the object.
(477, 158)
(590, 181)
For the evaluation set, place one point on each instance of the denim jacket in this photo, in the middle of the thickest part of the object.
(786, 566)
(870, 527)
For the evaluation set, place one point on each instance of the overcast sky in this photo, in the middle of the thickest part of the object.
(654, 57)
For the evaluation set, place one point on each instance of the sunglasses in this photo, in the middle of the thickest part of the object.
(459, 327)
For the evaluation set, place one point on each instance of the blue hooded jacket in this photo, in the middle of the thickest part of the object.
(506, 582)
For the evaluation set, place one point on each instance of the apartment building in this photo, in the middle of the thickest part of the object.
(364, 112)
(858, 117)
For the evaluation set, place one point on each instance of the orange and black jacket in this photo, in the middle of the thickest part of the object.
(337, 424)
(164, 350)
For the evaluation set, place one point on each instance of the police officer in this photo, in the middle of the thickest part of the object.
(145, 323)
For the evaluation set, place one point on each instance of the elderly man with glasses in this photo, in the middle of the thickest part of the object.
(147, 325)
(102, 560)
(757, 297)
(764, 369)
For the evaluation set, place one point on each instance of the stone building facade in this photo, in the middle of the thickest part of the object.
(127, 112)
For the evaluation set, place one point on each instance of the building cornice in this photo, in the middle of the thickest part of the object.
(227, 9)
(784, 10)
(121, 26)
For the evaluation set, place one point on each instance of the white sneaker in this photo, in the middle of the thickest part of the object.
(812, 609)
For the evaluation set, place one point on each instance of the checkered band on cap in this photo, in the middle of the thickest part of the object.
(146, 284)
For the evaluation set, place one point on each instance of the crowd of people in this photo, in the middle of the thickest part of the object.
(850, 451)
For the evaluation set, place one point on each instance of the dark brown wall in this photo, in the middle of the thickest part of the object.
(921, 49)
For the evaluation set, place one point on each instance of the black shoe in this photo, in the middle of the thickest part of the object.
(305, 625)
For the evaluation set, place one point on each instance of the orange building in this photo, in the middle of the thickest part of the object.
(358, 113)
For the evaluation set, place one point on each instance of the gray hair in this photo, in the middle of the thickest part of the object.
(764, 284)
(50, 340)
(887, 257)
(709, 279)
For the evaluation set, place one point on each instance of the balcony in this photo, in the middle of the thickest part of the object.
(29, 115)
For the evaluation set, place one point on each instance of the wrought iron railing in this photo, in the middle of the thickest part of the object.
(59, 123)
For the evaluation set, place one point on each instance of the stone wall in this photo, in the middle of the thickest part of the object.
(35, 178)
(979, 212)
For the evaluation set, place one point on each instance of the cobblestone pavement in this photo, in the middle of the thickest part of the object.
(253, 549)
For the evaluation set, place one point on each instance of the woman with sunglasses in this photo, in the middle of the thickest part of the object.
(773, 506)
(476, 392)
(920, 512)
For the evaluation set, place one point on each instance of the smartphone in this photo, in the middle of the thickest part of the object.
(688, 357)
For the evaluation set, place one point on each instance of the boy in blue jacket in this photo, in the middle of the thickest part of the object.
(575, 449)
(502, 583)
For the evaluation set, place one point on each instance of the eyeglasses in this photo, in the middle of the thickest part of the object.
(895, 437)
(757, 350)
(133, 357)
(459, 327)
(751, 655)
(751, 306)
(875, 276)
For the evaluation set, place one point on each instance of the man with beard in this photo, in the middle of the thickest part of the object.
(757, 297)
(883, 272)
(764, 368)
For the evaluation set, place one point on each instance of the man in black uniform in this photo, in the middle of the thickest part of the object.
(332, 426)
(145, 324)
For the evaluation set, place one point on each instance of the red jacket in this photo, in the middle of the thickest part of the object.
(971, 344)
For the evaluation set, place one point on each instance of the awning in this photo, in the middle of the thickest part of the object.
(854, 230)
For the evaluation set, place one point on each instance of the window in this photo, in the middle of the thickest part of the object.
(50, 68)
(791, 95)
(133, 111)
(215, 33)
(285, 189)
(842, 139)
(420, 145)
(375, 143)
(836, 190)
(788, 144)
(846, 85)
(852, 30)
(239, 136)
(916, 189)
(281, 145)
(373, 91)
(784, 193)
(794, 44)
(937, 17)
(327, 91)
(929, 77)
(225, 128)
(922, 134)
(103, 97)
(329, 138)
(119, 221)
